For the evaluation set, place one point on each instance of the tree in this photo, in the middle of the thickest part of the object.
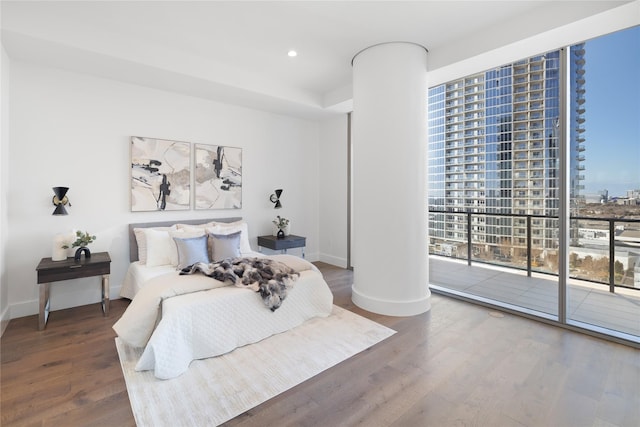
(618, 270)
(574, 260)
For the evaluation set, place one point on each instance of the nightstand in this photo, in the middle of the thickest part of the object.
(99, 264)
(288, 242)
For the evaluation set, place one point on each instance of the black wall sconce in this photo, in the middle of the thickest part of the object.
(60, 199)
(275, 199)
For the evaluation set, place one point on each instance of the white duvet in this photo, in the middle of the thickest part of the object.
(183, 318)
(138, 274)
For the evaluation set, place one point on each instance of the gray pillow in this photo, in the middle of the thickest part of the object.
(191, 250)
(223, 246)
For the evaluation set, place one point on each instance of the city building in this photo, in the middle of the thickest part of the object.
(493, 149)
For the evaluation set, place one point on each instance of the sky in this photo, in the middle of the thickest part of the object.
(612, 113)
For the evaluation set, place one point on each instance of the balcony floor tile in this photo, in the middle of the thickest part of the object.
(588, 303)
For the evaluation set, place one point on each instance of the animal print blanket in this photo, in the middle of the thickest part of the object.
(268, 277)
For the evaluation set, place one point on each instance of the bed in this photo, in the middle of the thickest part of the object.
(178, 318)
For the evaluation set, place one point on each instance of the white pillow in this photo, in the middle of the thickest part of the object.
(232, 227)
(192, 226)
(186, 233)
(161, 249)
(190, 229)
(142, 241)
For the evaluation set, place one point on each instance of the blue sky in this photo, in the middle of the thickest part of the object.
(613, 113)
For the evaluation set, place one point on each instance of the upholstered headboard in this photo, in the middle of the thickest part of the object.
(133, 244)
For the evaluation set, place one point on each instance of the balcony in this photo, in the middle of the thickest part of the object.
(538, 293)
(516, 267)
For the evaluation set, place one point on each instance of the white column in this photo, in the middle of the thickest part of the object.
(389, 218)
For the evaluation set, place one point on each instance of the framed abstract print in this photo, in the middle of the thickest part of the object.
(160, 175)
(218, 177)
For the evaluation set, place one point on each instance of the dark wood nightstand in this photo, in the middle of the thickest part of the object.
(288, 242)
(99, 264)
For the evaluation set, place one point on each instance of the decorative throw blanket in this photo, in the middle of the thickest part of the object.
(268, 277)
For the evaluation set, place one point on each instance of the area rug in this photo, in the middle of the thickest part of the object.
(216, 390)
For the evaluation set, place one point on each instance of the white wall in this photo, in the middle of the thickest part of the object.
(73, 130)
(4, 173)
(333, 191)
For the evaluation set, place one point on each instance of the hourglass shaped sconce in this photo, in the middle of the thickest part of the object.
(275, 199)
(60, 199)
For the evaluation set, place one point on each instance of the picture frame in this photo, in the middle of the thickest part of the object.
(217, 177)
(160, 175)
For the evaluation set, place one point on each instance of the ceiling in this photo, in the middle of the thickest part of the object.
(236, 51)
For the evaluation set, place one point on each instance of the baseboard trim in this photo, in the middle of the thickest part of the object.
(390, 307)
(4, 320)
(334, 260)
(29, 308)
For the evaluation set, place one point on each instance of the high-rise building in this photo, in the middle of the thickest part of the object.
(577, 128)
(494, 149)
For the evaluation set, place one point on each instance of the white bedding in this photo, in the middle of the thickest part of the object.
(197, 324)
(138, 273)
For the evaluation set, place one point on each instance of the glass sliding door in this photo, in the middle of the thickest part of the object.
(512, 151)
(604, 253)
(493, 184)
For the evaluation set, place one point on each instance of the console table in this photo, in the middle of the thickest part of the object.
(287, 242)
(99, 264)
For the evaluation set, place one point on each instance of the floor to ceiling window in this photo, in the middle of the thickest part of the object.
(500, 142)
(493, 179)
(604, 165)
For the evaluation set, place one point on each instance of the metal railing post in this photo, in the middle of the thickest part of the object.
(612, 256)
(528, 245)
(469, 238)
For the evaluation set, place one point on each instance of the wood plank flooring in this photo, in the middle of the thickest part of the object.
(459, 364)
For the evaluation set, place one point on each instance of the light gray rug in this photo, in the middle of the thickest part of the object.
(215, 390)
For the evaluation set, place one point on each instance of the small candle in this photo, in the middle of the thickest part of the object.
(59, 253)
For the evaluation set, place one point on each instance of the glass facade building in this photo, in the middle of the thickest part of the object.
(577, 82)
(494, 149)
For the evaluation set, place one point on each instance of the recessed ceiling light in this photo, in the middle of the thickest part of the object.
(292, 53)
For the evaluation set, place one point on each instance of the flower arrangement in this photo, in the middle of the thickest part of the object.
(82, 240)
(281, 223)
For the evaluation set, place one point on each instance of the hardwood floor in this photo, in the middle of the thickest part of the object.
(459, 364)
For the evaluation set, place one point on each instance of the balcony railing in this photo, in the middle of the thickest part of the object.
(588, 235)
